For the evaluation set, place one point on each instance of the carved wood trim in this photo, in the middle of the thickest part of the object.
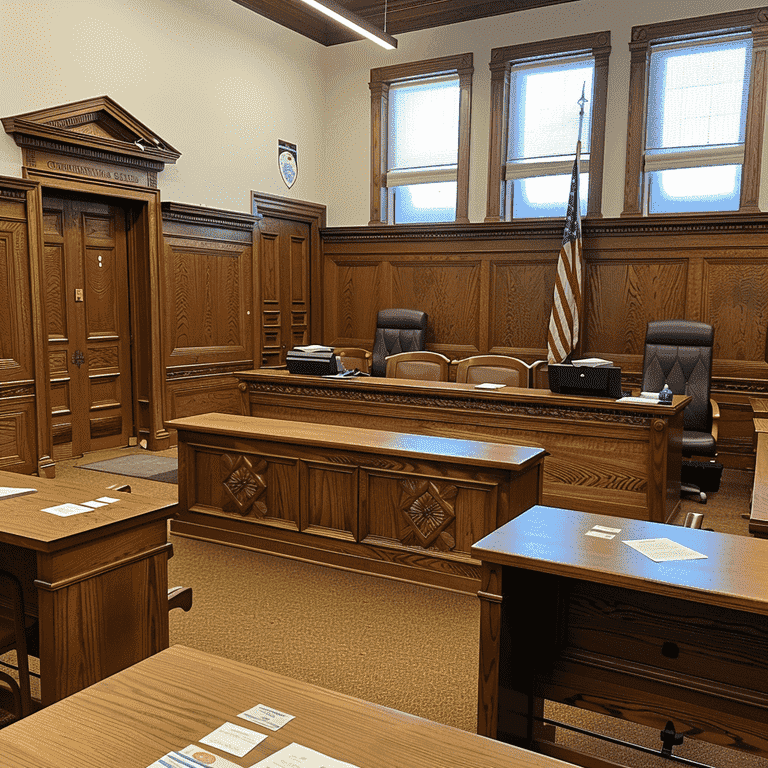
(502, 61)
(202, 216)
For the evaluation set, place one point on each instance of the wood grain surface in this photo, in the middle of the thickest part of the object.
(176, 697)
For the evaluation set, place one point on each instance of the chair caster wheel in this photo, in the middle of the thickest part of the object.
(702, 497)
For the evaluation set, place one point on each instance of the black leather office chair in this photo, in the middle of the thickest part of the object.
(678, 353)
(397, 330)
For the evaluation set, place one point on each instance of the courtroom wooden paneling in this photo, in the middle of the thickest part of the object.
(399, 505)
(488, 289)
(618, 458)
(18, 381)
(210, 316)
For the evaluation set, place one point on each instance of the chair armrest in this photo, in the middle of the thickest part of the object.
(715, 408)
(180, 597)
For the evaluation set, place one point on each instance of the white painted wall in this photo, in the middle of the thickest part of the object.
(347, 142)
(216, 81)
(222, 84)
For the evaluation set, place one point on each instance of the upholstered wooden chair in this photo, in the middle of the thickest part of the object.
(492, 369)
(425, 366)
(14, 627)
(355, 357)
(539, 374)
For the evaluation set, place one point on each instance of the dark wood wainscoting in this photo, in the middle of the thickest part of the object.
(210, 307)
(488, 288)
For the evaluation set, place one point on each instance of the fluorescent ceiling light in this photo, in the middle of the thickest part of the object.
(352, 21)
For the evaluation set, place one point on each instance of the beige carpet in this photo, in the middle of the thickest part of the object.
(407, 647)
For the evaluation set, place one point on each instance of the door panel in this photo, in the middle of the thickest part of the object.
(284, 251)
(87, 309)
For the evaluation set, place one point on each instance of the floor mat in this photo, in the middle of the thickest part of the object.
(163, 469)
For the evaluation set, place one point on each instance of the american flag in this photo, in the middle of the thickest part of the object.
(564, 322)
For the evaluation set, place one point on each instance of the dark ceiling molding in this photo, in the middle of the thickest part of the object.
(402, 15)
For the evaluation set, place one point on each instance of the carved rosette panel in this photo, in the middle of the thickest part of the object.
(245, 485)
(427, 509)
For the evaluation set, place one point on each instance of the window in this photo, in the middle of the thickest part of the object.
(420, 141)
(535, 93)
(694, 152)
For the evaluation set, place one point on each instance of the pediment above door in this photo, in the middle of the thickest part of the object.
(94, 138)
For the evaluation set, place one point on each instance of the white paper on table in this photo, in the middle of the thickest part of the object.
(234, 739)
(297, 756)
(664, 550)
(606, 529)
(9, 493)
(489, 385)
(107, 499)
(65, 510)
(192, 757)
(94, 504)
(600, 534)
(269, 718)
(207, 758)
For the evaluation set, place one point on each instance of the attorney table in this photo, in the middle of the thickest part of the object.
(582, 618)
(178, 696)
(616, 458)
(398, 505)
(97, 581)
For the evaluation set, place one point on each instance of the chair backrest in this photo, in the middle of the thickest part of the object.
(492, 369)
(425, 366)
(539, 374)
(678, 353)
(354, 357)
(13, 636)
(397, 330)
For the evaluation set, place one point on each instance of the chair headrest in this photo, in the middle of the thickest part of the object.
(403, 319)
(680, 333)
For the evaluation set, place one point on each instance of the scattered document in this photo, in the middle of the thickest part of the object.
(296, 756)
(234, 739)
(65, 510)
(602, 532)
(192, 757)
(489, 385)
(593, 362)
(94, 504)
(10, 493)
(269, 718)
(641, 400)
(664, 550)
(107, 499)
(314, 348)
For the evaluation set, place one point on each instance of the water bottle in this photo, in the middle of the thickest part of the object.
(665, 396)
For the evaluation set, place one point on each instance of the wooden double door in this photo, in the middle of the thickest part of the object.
(87, 309)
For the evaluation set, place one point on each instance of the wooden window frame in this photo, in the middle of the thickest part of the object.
(754, 21)
(597, 45)
(381, 80)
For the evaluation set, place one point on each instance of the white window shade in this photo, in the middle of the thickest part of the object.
(698, 94)
(544, 108)
(424, 125)
(529, 169)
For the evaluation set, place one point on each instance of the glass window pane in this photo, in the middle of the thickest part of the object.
(417, 203)
(544, 109)
(546, 196)
(698, 95)
(424, 124)
(688, 190)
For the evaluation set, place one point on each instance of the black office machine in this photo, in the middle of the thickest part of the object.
(318, 361)
(585, 380)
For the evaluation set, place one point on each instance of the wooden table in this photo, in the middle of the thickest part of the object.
(97, 581)
(614, 458)
(398, 505)
(758, 513)
(174, 698)
(603, 627)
